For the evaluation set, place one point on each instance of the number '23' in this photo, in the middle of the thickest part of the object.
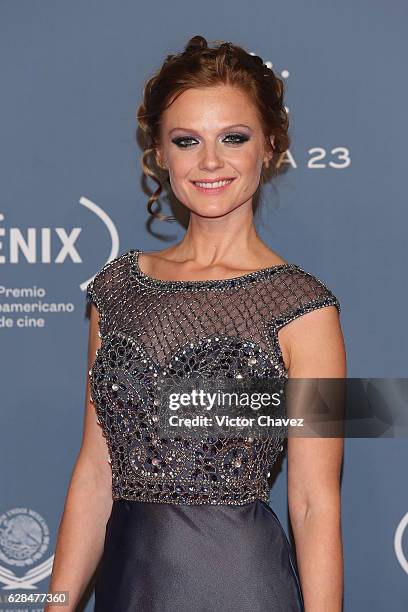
(341, 157)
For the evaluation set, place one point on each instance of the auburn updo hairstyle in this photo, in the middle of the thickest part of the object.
(202, 66)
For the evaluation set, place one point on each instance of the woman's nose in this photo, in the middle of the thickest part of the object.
(211, 157)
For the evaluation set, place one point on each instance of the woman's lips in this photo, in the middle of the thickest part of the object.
(212, 190)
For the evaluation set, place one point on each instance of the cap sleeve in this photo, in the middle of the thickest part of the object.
(296, 293)
(91, 298)
(300, 292)
(103, 290)
(95, 293)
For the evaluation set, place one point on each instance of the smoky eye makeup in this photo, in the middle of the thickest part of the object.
(234, 138)
(183, 142)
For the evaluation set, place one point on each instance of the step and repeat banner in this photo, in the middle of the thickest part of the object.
(73, 197)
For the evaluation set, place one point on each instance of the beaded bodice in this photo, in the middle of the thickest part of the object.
(179, 329)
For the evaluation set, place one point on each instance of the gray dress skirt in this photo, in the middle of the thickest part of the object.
(161, 557)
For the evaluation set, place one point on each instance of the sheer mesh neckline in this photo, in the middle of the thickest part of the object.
(146, 279)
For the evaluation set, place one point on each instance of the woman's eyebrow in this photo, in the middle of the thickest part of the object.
(228, 127)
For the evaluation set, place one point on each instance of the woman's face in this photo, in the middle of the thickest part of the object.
(210, 134)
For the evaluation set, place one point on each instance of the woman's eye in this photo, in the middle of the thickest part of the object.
(237, 138)
(183, 141)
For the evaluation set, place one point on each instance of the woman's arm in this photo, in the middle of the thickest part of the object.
(313, 347)
(88, 503)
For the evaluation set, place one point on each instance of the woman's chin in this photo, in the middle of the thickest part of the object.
(211, 211)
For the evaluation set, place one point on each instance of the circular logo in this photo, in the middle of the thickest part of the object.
(398, 547)
(24, 536)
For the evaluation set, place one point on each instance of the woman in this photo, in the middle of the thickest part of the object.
(188, 524)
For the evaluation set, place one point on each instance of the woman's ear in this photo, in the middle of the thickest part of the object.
(270, 146)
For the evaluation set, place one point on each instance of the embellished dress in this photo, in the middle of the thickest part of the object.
(191, 528)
